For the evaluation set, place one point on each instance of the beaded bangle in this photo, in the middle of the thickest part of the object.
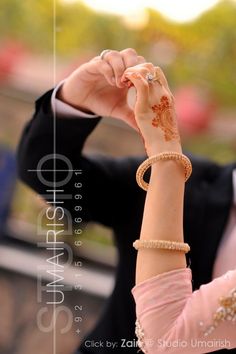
(162, 157)
(162, 244)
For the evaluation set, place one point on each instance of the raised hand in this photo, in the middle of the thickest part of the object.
(96, 86)
(154, 108)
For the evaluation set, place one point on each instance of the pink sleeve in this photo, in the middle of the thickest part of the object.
(173, 319)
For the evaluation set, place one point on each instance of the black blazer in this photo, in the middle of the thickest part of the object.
(112, 198)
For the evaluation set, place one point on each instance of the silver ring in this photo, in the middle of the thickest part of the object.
(104, 52)
(153, 77)
(149, 77)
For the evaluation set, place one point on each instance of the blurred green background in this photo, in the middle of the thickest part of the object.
(201, 50)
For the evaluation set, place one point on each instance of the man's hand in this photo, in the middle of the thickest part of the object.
(96, 86)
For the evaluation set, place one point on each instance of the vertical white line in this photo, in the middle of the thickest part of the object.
(54, 163)
(54, 76)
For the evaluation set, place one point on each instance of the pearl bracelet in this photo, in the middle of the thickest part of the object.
(162, 157)
(162, 244)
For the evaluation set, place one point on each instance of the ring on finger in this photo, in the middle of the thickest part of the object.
(104, 52)
(150, 77)
(153, 77)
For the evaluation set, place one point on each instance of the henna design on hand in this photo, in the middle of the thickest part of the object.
(164, 119)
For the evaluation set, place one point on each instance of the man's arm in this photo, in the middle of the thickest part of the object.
(107, 182)
(95, 87)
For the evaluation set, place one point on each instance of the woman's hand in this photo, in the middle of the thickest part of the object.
(154, 108)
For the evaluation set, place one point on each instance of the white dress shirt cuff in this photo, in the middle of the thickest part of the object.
(63, 109)
(234, 186)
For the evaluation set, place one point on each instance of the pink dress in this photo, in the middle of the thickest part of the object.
(173, 319)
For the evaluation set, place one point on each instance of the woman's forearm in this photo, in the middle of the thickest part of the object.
(163, 213)
(162, 220)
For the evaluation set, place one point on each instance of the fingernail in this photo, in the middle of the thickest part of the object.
(113, 80)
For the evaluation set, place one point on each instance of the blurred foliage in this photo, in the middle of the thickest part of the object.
(96, 233)
(219, 150)
(202, 51)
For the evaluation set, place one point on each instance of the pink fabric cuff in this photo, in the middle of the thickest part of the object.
(174, 285)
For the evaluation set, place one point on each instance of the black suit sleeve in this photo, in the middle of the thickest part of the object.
(108, 185)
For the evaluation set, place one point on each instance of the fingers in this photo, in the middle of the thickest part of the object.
(107, 70)
(120, 61)
(142, 88)
(163, 80)
(114, 59)
(150, 83)
(158, 84)
(113, 65)
(141, 59)
(98, 66)
(143, 69)
(130, 57)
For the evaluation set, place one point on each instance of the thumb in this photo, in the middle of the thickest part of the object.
(129, 117)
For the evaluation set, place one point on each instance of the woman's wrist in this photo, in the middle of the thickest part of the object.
(159, 147)
(164, 169)
(155, 141)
